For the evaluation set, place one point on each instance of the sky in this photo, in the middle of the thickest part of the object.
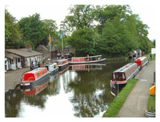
(49, 9)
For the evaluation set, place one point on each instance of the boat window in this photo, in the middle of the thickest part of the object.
(38, 74)
(43, 72)
(46, 70)
(54, 66)
(113, 75)
(123, 76)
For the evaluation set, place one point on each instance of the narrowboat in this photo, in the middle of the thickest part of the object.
(52, 68)
(34, 77)
(62, 64)
(123, 74)
(87, 60)
(142, 61)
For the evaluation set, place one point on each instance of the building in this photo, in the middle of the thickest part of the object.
(22, 57)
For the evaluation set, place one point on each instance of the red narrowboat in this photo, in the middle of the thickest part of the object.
(87, 60)
(62, 64)
(34, 77)
(142, 61)
(125, 73)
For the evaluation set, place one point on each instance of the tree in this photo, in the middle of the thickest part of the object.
(83, 41)
(33, 30)
(13, 35)
(50, 28)
(81, 16)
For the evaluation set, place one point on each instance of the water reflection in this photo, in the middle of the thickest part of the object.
(73, 92)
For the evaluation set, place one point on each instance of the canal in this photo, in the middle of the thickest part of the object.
(80, 91)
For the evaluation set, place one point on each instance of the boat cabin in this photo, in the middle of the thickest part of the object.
(52, 67)
(123, 74)
(62, 62)
(35, 74)
(142, 61)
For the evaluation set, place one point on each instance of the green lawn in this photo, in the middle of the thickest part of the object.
(151, 104)
(118, 102)
(148, 56)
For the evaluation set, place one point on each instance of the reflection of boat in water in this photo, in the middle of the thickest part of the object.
(52, 68)
(84, 67)
(34, 77)
(123, 74)
(116, 89)
(64, 69)
(53, 77)
(87, 60)
(34, 90)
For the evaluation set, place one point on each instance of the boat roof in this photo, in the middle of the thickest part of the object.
(141, 58)
(51, 64)
(36, 70)
(89, 56)
(125, 67)
(61, 60)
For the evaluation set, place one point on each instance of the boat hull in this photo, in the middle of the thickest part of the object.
(62, 67)
(36, 82)
(54, 71)
(88, 62)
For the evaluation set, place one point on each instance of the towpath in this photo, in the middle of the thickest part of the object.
(137, 100)
(13, 77)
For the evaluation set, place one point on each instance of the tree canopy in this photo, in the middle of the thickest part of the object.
(110, 30)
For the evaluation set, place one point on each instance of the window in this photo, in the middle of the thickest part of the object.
(123, 76)
(38, 74)
(113, 75)
(43, 72)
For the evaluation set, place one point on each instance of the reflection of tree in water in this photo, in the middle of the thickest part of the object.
(12, 103)
(90, 96)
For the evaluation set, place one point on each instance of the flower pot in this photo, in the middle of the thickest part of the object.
(149, 114)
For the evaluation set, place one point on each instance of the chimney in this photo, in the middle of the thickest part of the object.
(29, 48)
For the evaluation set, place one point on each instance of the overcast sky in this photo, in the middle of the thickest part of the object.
(49, 9)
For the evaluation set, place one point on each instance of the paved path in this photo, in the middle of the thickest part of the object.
(137, 100)
(13, 77)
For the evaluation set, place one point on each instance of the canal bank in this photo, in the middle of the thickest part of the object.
(137, 100)
(13, 77)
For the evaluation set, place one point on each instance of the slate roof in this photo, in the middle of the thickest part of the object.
(23, 52)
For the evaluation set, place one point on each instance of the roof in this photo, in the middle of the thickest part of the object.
(141, 58)
(23, 52)
(126, 67)
(10, 55)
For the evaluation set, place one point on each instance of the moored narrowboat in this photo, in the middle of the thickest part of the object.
(35, 76)
(87, 60)
(52, 68)
(142, 61)
(123, 74)
(62, 64)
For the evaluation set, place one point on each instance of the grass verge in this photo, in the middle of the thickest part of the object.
(118, 102)
(148, 56)
(151, 104)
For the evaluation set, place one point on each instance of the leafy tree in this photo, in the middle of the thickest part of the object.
(50, 28)
(81, 16)
(83, 41)
(33, 30)
(13, 35)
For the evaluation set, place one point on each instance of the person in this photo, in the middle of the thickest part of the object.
(151, 56)
(32, 67)
(38, 64)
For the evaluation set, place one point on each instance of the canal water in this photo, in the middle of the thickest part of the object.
(79, 91)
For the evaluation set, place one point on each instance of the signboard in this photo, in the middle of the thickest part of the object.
(153, 50)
